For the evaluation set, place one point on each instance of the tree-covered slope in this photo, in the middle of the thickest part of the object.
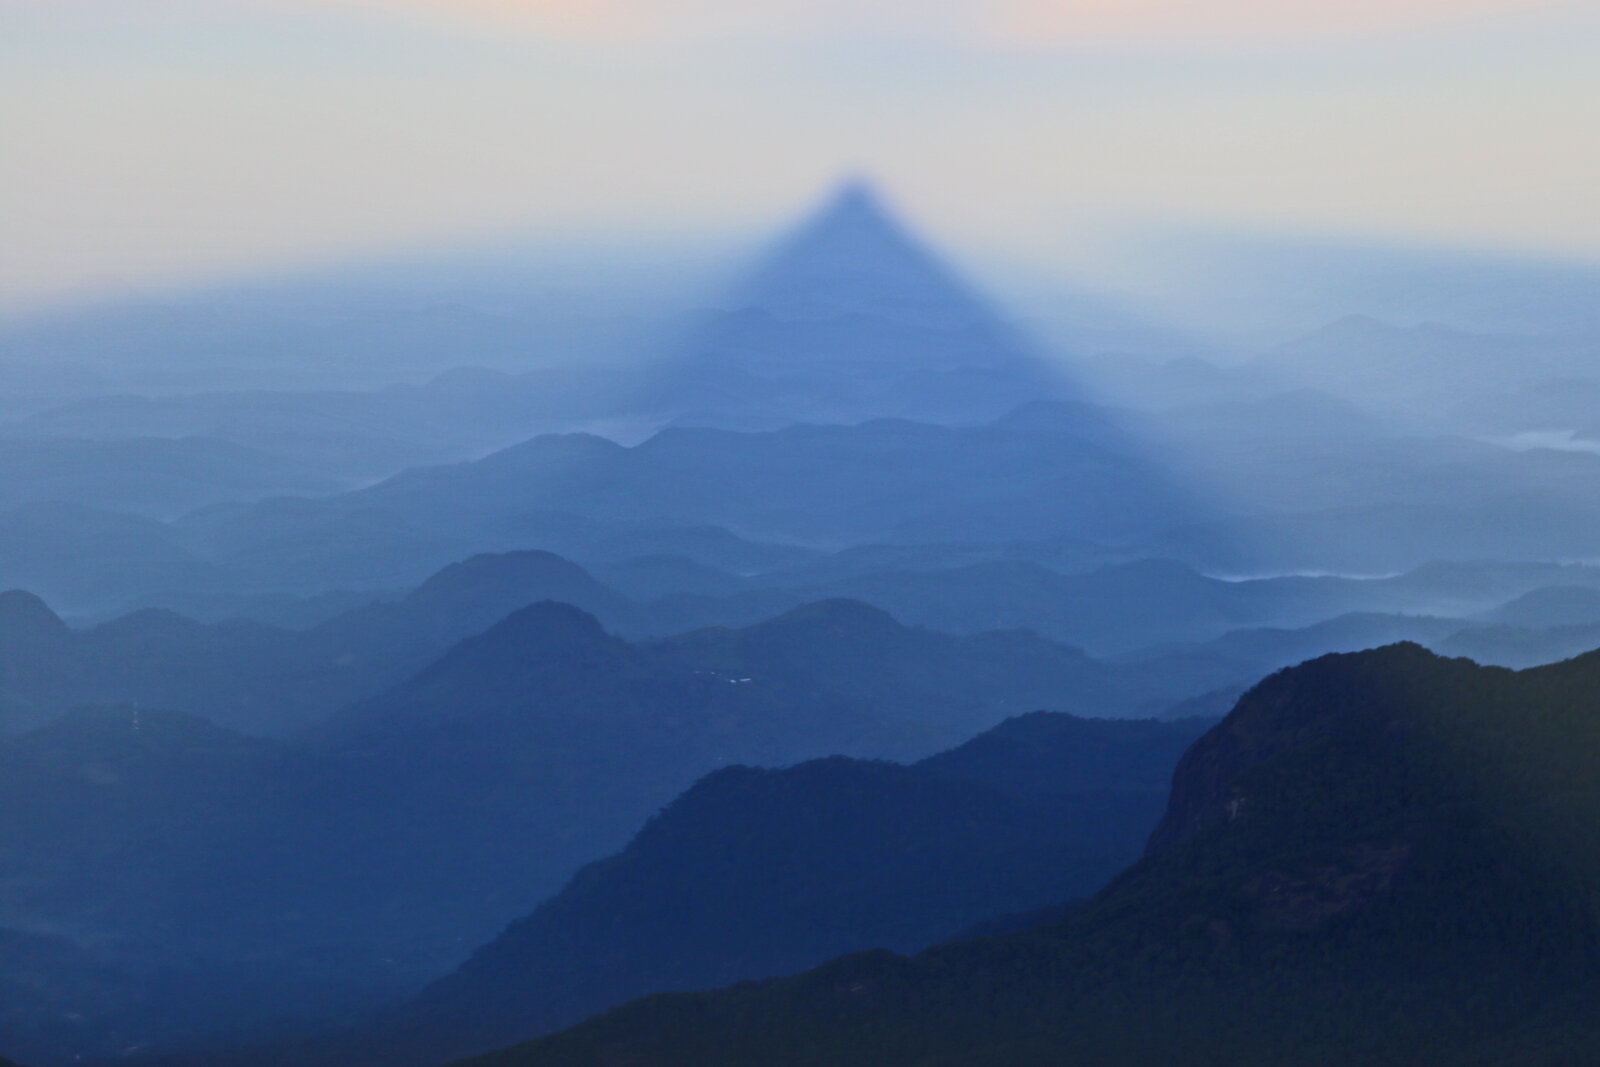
(754, 872)
(937, 689)
(264, 679)
(544, 742)
(372, 857)
(1377, 858)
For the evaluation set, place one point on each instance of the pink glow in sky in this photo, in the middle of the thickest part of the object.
(166, 139)
(1013, 22)
(1038, 23)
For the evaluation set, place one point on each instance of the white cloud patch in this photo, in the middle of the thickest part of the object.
(1551, 440)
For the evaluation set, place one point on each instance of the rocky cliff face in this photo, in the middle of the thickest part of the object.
(1338, 696)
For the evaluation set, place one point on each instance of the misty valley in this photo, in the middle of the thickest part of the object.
(842, 668)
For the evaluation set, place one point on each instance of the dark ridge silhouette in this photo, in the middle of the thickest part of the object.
(243, 879)
(275, 681)
(1208, 634)
(1379, 858)
(755, 872)
(265, 679)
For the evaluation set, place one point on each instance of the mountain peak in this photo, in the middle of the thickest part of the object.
(541, 636)
(533, 573)
(841, 615)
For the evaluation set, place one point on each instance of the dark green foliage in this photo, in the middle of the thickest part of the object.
(1380, 858)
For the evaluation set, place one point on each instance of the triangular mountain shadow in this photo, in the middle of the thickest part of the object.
(848, 318)
(854, 257)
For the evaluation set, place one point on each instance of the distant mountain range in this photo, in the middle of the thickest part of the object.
(1067, 486)
(361, 659)
(848, 318)
(817, 486)
(278, 681)
(1209, 635)
(1430, 374)
(156, 477)
(373, 851)
(1362, 447)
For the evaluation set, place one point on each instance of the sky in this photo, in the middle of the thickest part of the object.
(146, 143)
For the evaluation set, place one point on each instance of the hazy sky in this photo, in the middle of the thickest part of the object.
(147, 142)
